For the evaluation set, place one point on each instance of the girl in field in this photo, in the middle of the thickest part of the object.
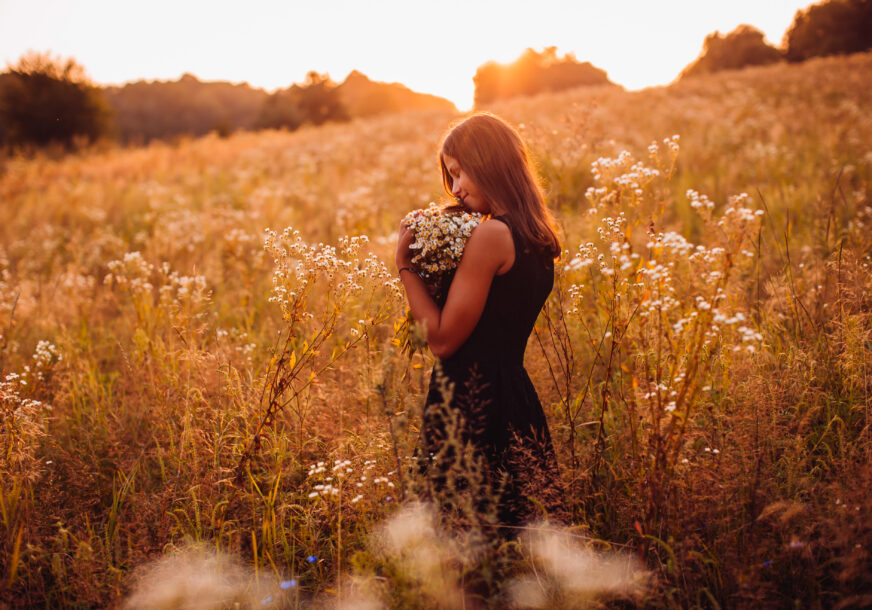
(480, 334)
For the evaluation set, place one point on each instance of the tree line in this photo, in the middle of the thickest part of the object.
(46, 100)
(832, 27)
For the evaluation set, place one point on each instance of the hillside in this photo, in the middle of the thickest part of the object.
(704, 362)
(364, 97)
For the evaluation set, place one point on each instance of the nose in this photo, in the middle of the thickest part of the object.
(455, 187)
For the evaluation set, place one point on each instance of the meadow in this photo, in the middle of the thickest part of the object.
(200, 361)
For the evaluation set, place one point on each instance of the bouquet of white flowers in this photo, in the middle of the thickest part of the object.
(440, 236)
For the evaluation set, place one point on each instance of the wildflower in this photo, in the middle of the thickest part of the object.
(311, 559)
(440, 237)
(288, 584)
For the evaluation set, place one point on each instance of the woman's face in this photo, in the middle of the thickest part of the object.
(463, 188)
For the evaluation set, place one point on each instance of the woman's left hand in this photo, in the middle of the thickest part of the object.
(404, 239)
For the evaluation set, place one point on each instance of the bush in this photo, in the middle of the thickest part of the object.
(45, 100)
(837, 27)
(742, 47)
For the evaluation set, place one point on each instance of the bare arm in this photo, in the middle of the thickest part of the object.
(489, 251)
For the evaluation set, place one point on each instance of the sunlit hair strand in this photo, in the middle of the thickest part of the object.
(495, 157)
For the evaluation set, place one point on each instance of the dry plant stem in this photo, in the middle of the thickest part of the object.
(832, 209)
(790, 275)
(382, 390)
(785, 256)
(606, 394)
(6, 334)
(562, 346)
(284, 372)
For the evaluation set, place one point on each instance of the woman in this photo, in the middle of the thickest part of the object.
(481, 332)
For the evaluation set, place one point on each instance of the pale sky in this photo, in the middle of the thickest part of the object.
(432, 47)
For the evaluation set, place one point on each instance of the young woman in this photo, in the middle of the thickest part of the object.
(481, 332)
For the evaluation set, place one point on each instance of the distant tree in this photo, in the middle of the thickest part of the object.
(6, 79)
(187, 106)
(318, 100)
(45, 99)
(834, 27)
(744, 46)
(363, 97)
(279, 111)
(533, 73)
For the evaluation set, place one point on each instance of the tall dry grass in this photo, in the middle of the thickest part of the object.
(167, 382)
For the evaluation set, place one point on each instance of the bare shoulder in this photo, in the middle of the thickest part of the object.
(492, 240)
(493, 233)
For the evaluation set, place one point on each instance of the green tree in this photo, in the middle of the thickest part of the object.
(45, 100)
(744, 46)
(834, 27)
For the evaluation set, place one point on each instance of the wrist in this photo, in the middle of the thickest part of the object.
(408, 268)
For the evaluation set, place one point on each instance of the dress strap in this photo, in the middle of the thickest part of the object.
(503, 220)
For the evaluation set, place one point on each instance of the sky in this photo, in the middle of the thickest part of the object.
(432, 47)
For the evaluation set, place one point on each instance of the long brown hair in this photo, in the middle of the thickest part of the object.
(493, 154)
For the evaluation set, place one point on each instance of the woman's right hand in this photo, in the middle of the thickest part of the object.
(405, 238)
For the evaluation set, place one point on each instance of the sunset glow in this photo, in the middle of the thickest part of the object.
(430, 47)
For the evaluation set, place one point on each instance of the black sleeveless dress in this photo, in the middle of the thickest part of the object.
(500, 413)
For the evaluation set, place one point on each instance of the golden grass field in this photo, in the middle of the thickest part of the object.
(173, 389)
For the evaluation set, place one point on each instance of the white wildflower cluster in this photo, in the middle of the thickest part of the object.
(585, 257)
(7, 295)
(132, 272)
(342, 272)
(179, 297)
(659, 290)
(177, 228)
(238, 243)
(664, 396)
(440, 237)
(183, 294)
(77, 283)
(45, 356)
(670, 145)
(238, 340)
(622, 179)
(750, 339)
(330, 481)
(738, 219)
(21, 425)
(700, 202)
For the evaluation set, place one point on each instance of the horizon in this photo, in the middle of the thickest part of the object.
(273, 45)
